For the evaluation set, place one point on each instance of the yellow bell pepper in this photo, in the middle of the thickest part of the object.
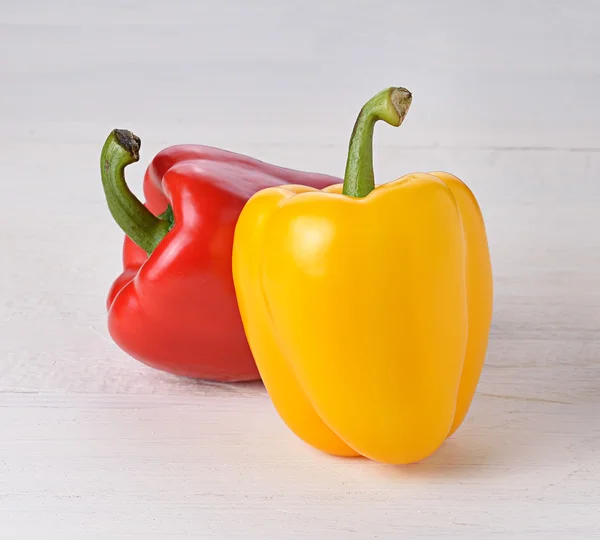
(367, 308)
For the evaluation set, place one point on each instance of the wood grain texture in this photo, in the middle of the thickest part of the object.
(94, 445)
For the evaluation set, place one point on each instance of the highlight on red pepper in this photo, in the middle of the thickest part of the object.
(174, 306)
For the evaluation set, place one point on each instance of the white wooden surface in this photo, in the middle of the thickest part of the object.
(94, 445)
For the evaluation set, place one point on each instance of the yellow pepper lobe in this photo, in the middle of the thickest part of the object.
(479, 292)
(277, 374)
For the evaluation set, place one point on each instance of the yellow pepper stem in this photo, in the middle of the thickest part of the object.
(391, 106)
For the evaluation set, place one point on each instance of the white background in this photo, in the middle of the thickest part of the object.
(93, 445)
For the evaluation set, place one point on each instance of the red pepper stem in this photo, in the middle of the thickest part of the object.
(391, 106)
(145, 229)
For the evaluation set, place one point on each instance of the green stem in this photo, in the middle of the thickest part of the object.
(391, 106)
(121, 149)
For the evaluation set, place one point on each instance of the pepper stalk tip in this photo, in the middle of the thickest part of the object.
(401, 99)
(130, 142)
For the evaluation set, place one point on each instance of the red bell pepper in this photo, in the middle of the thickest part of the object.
(174, 306)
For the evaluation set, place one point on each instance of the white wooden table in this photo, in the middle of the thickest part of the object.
(95, 446)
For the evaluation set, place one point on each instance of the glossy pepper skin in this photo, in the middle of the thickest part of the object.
(174, 306)
(367, 309)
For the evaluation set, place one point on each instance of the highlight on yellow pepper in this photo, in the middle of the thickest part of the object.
(367, 309)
